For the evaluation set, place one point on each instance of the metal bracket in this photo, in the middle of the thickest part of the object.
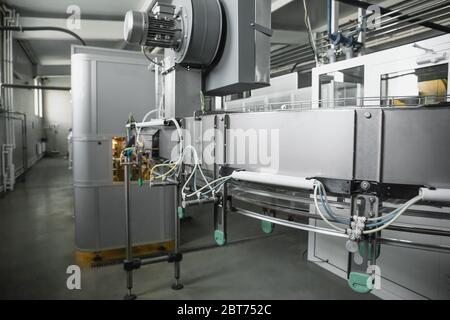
(175, 257)
(267, 31)
(130, 265)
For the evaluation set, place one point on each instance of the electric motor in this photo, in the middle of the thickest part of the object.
(191, 28)
(159, 30)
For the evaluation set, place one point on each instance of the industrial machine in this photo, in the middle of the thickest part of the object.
(104, 83)
(363, 157)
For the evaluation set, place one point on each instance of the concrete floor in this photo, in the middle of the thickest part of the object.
(37, 245)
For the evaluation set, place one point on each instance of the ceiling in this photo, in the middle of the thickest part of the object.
(102, 24)
(90, 9)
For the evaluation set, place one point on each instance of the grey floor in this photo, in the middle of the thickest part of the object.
(36, 247)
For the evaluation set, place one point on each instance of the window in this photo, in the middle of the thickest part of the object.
(38, 101)
(415, 87)
(344, 88)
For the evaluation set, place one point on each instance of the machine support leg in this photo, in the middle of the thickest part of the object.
(177, 285)
(362, 268)
(129, 245)
(220, 219)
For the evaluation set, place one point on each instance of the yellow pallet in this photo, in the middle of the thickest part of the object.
(88, 259)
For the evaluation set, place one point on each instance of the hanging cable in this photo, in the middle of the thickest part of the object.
(403, 209)
(58, 29)
(316, 189)
(325, 204)
(310, 33)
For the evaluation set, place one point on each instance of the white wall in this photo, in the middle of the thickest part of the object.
(24, 102)
(57, 115)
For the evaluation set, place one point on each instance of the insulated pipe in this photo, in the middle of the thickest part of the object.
(273, 179)
(436, 195)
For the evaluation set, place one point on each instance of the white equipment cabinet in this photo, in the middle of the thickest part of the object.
(108, 86)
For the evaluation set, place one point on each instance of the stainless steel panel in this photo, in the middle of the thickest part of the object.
(122, 88)
(311, 143)
(100, 216)
(182, 92)
(263, 17)
(417, 147)
(92, 164)
(107, 87)
(168, 144)
(201, 134)
(243, 64)
(368, 144)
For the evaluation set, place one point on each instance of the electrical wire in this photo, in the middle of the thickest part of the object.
(197, 166)
(403, 209)
(208, 185)
(310, 34)
(138, 130)
(317, 185)
(325, 204)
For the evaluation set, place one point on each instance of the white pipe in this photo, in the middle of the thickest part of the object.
(436, 195)
(274, 179)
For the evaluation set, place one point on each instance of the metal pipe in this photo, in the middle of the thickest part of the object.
(362, 25)
(421, 13)
(177, 268)
(163, 184)
(197, 202)
(148, 261)
(299, 226)
(304, 214)
(29, 87)
(418, 12)
(6, 114)
(375, 34)
(128, 227)
(334, 27)
(43, 28)
(399, 15)
(415, 245)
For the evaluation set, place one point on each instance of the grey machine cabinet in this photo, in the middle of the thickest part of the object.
(108, 85)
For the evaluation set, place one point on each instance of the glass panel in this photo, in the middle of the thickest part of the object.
(415, 87)
(343, 88)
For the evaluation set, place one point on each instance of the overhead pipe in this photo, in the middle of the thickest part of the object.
(20, 116)
(9, 19)
(397, 14)
(333, 27)
(44, 28)
(29, 87)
